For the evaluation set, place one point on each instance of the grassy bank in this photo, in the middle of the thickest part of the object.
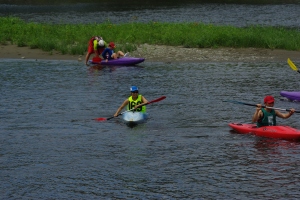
(73, 39)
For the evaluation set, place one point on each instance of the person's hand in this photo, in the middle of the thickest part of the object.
(292, 110)
(258, 107)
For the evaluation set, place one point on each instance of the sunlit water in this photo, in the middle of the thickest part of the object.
(51, 148)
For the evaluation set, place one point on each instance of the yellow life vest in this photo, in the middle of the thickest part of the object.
(132, 103)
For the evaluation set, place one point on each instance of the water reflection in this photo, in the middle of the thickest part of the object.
(272, 13)
(148, 3)
(97, 67)
(184, 150)
(267, 144)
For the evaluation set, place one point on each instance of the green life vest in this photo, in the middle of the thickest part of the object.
(132, 103)
(265, 120)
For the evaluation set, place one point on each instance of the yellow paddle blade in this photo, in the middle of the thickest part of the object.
(292, 65)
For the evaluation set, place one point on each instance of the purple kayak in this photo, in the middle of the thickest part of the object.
(292, 96)
(120, 61)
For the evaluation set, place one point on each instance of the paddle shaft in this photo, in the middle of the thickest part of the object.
(153, 101)
(248, 104)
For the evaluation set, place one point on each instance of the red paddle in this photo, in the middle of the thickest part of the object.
(153, 101)
(96, 59)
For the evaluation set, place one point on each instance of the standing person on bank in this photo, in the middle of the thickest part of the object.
(109, 53)
(135, 101)
(267, 116)
(97, 46)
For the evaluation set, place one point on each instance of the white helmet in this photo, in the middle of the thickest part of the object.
(101, 43)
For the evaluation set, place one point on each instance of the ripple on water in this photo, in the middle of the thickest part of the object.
(52, 148)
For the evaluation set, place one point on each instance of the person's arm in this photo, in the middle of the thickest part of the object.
(105, 44)
(285, 115)
(121, 107)
(144, 100)
(258, 113)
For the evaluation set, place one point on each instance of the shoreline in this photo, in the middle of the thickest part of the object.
(162, 53)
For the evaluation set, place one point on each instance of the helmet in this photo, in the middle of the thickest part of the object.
(133, 88)
(101, 43)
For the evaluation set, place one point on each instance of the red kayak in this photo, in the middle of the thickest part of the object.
(279, 132)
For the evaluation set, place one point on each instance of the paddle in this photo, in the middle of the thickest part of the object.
(292, 65)
(153, 101)
(248, 104)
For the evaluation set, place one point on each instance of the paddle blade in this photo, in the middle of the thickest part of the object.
(292, 65)
(157, 100)
(100, 119)
(96, 59)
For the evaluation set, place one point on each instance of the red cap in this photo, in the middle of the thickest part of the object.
(269, 99)
(112, 45)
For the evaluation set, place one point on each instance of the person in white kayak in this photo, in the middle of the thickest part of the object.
(136, 102)
(267, 116)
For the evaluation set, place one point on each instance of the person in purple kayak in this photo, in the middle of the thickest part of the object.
(267, 116)
(109, 54)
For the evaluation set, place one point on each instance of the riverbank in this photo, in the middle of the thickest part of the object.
(162, 53)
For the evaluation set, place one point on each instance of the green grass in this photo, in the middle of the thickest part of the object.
(73, 38)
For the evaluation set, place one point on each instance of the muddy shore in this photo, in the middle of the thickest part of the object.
(162, 53)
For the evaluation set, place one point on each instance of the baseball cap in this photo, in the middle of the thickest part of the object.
(269, 99)
(133, 88)
(112, 45)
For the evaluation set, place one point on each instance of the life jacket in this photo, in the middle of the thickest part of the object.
(265, 120)
(132, 103)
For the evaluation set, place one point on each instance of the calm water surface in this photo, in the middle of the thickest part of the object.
(51, 148)
(219, 12)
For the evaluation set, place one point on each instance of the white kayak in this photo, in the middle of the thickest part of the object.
(134, 118)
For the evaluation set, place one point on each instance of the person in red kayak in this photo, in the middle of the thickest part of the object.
(109, 53)
(97, 46)
(267, 116)
(136, 101)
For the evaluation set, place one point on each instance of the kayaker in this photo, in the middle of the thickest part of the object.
(109, 53)
(97, 46)
(136, 101)
(267, 116)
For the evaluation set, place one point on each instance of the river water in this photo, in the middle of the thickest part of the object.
(220, 12)
(51, 148)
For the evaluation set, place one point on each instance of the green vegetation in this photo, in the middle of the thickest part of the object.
(73, 39)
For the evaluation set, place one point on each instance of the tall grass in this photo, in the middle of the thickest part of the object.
(73, 39)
